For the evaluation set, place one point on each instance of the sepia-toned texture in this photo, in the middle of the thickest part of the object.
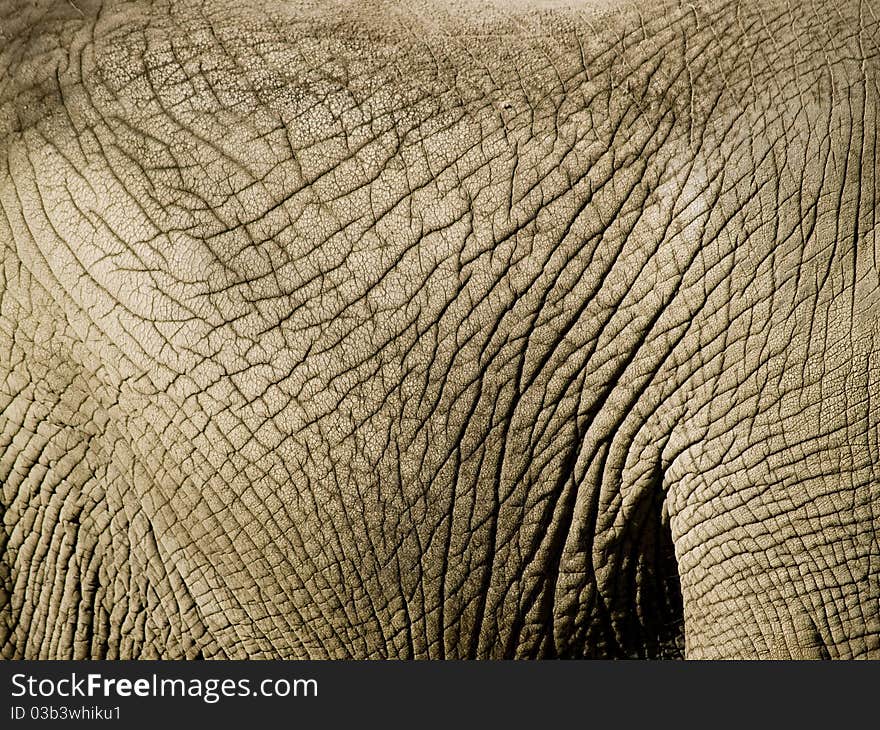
(439, 329)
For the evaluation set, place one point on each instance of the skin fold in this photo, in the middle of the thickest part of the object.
(439, 329)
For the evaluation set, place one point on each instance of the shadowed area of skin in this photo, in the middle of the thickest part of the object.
(384, 329)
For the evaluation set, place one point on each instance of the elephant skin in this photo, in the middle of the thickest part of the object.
(439, 329)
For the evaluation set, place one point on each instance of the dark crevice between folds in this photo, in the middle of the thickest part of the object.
(643, 597)
(655, 628)
(637, 612)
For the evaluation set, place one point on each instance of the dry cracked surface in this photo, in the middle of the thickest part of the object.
(458, 329)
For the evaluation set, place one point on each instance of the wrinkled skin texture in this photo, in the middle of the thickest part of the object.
(380, 330)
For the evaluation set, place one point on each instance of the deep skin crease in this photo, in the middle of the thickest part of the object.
(439, 330)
